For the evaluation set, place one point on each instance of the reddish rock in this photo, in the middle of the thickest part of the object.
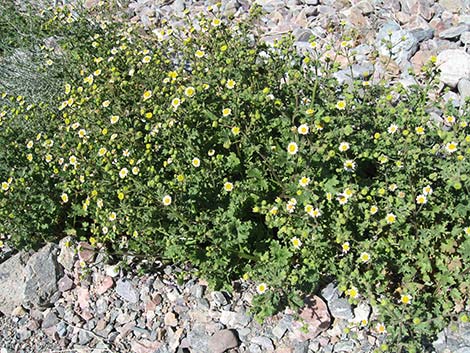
(145, 346)
(86, 252)
(103, 284)
(314, 316)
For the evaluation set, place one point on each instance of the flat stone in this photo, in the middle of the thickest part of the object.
(170, 319)
(42, 274)
(330, 292)
(223, 340)
(126, 290)
(145, 346)
(464, 88)
(281, 328)
(362, 313)
(453, 32)
(86, 252)
(103, 284)
(12, 282)
(341, 309)
(219, 298)
(264, 342)
(50, 320)
(65, 284)
(314, 319)
(234, 319)
(451, 5)
(344, 346)
(465, 38)
(454, 65)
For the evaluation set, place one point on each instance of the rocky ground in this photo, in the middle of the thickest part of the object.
(72, 299)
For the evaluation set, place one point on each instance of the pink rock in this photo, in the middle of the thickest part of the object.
(145, 346)
(420, 58)
(283, 349)
(83, 297)
(86, 252)
(314, 316)
(104, 283)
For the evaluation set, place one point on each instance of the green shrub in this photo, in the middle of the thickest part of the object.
(205, 145)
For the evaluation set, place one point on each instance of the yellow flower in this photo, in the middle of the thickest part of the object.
(348, 192)
(146, 59)
(261, 288)
(175, 103)
(64, 197)
(274, 210)
(30, 144)
(196, 162)
(308, 208)
(349, 165)
(190, 92)
(373, 209)
(380, 328)
(114, 119)
(89, 80)
(112, 216)
(342, 199)
(352, 292)
(226, 112)
(228, 186)
(106, 103)
(304, 181)
(315, 213)
(147, 95)
(421, 199)
(345, 246)
(29, 157)
(296, 243)
(292, 148)
(121, 195)
(82, 133)
(392, 128)
(5, 186)
(102, 151)
(230, 84)
(313, 45)
(303, 129)
(235, 130)
(365, 257)
(123, 173)
(199, 53)
(67, 88)
(341, 105)
(216, 22)
(390, 218)
(135, 170)
(451, 147)
(97, 72)
(467, 230)
(449, 120)
(73, 160)
(419, 130)
(309, 111)
(343, 146)
(406, 299)
(48, 158)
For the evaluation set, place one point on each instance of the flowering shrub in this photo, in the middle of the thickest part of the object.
(205, 145)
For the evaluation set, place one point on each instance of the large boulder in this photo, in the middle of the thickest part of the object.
(42, 275)
(12, 282)
(454, 65)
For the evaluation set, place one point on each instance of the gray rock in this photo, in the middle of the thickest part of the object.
(67, 254)
(264, 342)
(344, 346)
(464, 88)
(451, 5)
(300, 347)
(465, 38)
(223, 340)
(362, 312)
(330, 292)
(234, 319)
(126, 290)
(50, 320)
(197, 339)
(340, 309)
(422, 34)
(198, 291)
(254, 348)
(219, 298)
(453, 32)
(101, 305)
(65, 284)
(42, 273)
(454, 338)
(454, 65)
(61, 329)
(281, 328)
(84, 337)
(12, 283)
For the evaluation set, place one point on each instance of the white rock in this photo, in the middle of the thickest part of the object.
(454, 65)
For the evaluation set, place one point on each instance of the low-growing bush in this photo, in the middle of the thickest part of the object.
(205, 145)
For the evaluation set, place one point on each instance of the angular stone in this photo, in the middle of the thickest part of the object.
(65, 284)
(67, 253)
(453, 32)
(126, 290)
(465, 38)
(42, 273)
(103, 284)
(464, 88)
(50, 320)
(234, 319)
(145, 346)
(12, 282)
(451, 5)
(264, 342)
(341, 309)
(314, 319)
(223, 340)
(454, 65)
(170, 319)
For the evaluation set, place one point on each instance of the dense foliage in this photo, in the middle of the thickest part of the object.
(205, 145)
